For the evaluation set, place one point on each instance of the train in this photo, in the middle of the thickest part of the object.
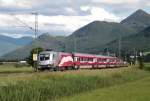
(64, 60)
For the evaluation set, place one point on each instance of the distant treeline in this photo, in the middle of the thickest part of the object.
(12, 60)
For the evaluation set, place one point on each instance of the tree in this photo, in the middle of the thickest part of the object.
(30, 58)
(140, 59)
(141, 64)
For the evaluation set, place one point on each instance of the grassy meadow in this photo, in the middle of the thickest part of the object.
(12, 68)
(132, 91)
(22, 84)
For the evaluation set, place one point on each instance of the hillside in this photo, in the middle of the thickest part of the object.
(91, 37)
(7, 47)
(95, 37)
(138, 20)
(139, 41)
(16, 41)
(8, 44)
(88, 39)
(45, 41)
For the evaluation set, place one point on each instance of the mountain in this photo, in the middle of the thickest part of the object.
(139, 41)
(7, 47)
(45, 41)
(138, 20)
(94, 37)
(16, 41)
(91, 37)
(8, 44)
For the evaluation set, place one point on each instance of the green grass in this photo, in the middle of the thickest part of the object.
(146, 66)
(135, 91)
(49, 86)
(12, 69)
(146, 53)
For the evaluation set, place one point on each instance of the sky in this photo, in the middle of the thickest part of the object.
(62, 17)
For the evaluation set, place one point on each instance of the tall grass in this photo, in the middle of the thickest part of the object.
(50, 87)
(147, 66)
(12, 68)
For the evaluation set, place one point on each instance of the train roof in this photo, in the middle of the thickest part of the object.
(48, 52)
(92, 55)
(44, 52)
(78, 54)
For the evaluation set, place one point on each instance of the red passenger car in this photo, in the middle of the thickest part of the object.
(62, 60)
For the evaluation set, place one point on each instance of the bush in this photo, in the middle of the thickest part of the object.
(1, 63)
(33, 51)
(141, 63)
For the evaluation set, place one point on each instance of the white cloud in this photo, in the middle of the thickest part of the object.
(14, 35)
(102, 15)
(117, 1)
(16, 3)
(7, 1)
(71, 23)
(61, 22)
(6, 20)
(70, 10)
(148, 4)
(85, 8)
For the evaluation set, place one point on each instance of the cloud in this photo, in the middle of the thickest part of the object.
(71, 23)
(103, 15)
(57, 23)
(64, 16)
(14, 35)
(117, 1)
(85, 8)
(16, 3)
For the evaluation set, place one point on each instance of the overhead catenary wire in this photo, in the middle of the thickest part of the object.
(35, 29)
(22, 22)
(25, 25)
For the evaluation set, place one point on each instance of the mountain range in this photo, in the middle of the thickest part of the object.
(91, 37)
(45, 41)
(95, 37)
(8, 44)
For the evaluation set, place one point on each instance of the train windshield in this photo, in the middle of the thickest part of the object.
(44, 57)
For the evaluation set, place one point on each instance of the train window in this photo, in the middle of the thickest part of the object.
(103, 60)
(111, 60)
(90, 59)
(82, 59)
(41, 57)
(87, 59)
(75, 58)
(78, 59)
(99, 60)
(46, 57)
